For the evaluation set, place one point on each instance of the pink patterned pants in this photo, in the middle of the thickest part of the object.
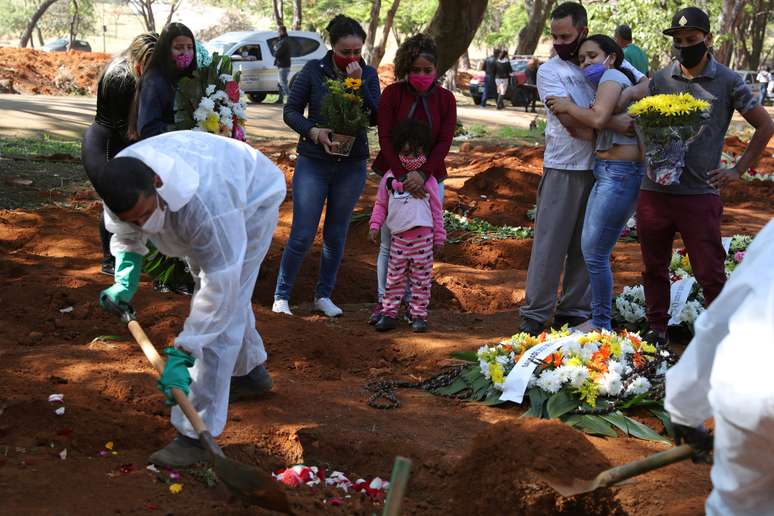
(411, 259)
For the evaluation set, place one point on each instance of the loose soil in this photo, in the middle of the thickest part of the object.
(467, 458)
(35, 71)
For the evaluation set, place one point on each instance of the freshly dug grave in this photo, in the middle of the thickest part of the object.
(507, 463)
(38, 72)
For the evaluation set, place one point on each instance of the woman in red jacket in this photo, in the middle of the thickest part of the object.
(418, 95)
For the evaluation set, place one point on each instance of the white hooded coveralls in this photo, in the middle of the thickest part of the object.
(726, 372)
(223, 201)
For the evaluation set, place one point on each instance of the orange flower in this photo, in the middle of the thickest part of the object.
(555, 359)
(637, 360)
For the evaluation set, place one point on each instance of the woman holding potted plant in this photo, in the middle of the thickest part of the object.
(416, 95)
(341, 93)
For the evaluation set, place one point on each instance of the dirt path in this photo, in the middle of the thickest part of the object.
(317, 413)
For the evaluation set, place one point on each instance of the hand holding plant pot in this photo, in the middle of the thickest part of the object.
(343, 110)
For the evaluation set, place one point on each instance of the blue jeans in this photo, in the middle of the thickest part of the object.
(611, 202)
(383, 258)
(316, 181)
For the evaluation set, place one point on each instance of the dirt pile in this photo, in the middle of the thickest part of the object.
(51, 73)
(507, 463)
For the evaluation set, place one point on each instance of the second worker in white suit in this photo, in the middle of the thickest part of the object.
(214, 202)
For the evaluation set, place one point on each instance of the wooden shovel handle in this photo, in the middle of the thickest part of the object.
(618, 474)
(158, 363)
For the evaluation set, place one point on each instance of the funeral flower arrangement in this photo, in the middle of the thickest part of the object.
(629, 306)
(589, 381)
(211, 100)
(343, 110)
(669, 123)
(629, 232)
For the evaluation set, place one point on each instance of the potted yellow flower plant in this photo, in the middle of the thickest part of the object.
(669, 124)
(343, 111)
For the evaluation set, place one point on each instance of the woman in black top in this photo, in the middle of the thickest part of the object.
(109, 133)
(503, 72)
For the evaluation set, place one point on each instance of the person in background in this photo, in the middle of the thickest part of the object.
(763, 78)
(503, 71)
(322, 179)
(282, 62)
(489, 66)
(723, 375)
(618, 168)
(693, 206)
(415, 95)
(566, 182)
(632, 53)
(109, 134)
(530, 85)
(416, 228)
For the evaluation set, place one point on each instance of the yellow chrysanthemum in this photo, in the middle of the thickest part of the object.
(212, 123)
(496, 371)
(352, 84)
(669, 105)
(175, 488)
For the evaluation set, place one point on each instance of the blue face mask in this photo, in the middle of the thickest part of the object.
(594, 73)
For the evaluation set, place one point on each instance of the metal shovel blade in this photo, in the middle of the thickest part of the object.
(618, 474)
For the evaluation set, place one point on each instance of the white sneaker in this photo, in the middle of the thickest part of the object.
(326, 306)
(281, 306)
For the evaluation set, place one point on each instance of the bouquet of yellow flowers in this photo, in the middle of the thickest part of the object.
(344, 113)
(669, 124)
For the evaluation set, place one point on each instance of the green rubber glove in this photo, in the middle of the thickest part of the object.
(175, 373)
(127, 279)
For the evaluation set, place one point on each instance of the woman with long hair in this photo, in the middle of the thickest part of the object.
(109, 133)
(321, 178)
(417, 95)
(618, 167)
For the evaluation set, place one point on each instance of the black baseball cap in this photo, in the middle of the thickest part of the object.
(689, 18)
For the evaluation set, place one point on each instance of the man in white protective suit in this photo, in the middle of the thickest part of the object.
(726, 373)
(214, 202)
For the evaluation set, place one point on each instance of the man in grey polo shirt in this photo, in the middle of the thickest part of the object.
(566, 183)
(693, 206)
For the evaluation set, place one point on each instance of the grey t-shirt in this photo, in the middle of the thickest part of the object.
(607, 138)
(726, 91)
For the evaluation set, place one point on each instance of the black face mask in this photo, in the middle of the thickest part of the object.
(691, 56)
(567, 51)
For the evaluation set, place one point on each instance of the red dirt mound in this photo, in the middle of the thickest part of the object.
(35, 71)
(495, 193)
(506, 464)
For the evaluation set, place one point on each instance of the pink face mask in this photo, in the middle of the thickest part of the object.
(420, 81)
(411, 163)
(183, 61)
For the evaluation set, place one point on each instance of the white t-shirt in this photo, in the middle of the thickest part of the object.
(560, 78)
(763, 76)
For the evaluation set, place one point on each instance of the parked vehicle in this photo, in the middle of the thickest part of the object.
(253, 55)
(751, 79)
(515, 94)
(63, 45)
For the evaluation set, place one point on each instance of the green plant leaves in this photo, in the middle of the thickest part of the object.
(594, 425)
(537, 399)
(560, 404)
(467, 356)
(633, 427)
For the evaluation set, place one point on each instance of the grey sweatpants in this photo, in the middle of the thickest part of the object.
(561, 206)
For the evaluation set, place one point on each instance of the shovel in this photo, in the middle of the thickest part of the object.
(252, 486)
(618, 474)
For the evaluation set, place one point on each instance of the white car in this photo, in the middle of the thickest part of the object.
(253, 54)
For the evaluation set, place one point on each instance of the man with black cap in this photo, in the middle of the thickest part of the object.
(693, 207)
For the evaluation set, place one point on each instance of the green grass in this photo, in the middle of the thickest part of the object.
(40, 146)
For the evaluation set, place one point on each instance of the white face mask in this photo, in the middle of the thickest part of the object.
(155, 223)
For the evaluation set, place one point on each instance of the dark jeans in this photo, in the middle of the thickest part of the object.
(697, 218)
(610, 205)
(318, 182)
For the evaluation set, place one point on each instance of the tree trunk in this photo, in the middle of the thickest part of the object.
(40, 36)
(465, 61)
(396, 34)
(34, 21)
(760, 15)
(453, 26)
(278, 15)
(373, 24)
(297, 15)
(144, 9)
(74, 23)
(529, 36)
(729, 19)
(173, 7)
(378, 53)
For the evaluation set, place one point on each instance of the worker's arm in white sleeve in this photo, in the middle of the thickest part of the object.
(218, 245)
(126, 237)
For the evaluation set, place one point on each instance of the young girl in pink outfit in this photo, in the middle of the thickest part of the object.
(416, 224)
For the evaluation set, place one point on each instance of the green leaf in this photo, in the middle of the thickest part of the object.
(593, 425)
(641, 431)
(561, 403)
(635, 401)
(618, 420)
(455, 387)
(493, 398)
(537, 398)
(480, 387)
(663, 416)
(472, 373)
(467, 356)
